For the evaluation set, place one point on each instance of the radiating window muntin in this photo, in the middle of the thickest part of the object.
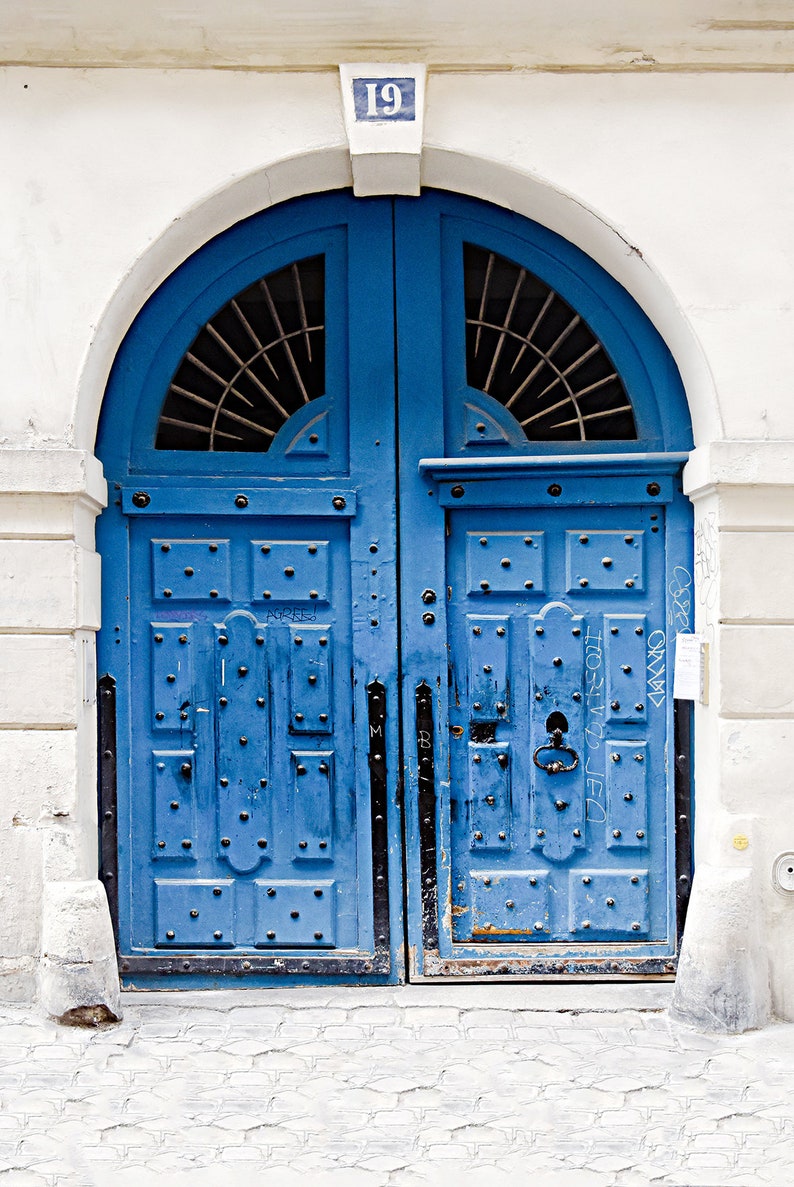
(256, 361)
(262, 357)
(527, 348)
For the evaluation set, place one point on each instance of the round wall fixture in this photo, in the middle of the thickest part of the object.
(783, 873)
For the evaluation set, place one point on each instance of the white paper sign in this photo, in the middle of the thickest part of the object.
(689, 674)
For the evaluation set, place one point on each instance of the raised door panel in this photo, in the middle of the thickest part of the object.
(558, 823)
(249, 774)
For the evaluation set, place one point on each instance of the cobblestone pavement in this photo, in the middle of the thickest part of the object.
(417, 1085)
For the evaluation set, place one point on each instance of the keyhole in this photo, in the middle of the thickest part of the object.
(557, 721)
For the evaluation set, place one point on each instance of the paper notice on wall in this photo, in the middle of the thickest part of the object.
(690, 675)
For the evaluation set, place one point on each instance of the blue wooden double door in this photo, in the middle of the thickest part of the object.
(393, 561)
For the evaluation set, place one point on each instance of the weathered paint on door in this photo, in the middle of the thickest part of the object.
(309, 705)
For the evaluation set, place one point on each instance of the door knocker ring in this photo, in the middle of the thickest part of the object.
(556, 766)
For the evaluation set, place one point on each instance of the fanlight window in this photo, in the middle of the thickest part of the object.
(527, 347)
(254, 363)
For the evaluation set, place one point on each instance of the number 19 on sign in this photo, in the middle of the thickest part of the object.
(384, 99)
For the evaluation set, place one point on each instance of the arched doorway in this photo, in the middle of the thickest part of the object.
(389, 582)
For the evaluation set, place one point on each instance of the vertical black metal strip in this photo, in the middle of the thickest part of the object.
(683, 810)
(376, 704)
(427, 813)
(108, 821)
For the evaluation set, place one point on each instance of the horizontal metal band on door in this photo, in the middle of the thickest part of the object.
(274, 500)
(564, 491)
(251, 964)
(591, 967)
(613, 480)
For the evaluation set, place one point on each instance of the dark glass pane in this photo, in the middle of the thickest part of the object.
(253, 364)
(532, 352)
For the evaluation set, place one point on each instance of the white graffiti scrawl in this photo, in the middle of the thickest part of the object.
(679, 614)
(657, 646)
(706, 561)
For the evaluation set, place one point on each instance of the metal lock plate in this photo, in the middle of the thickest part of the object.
(556, 648)
(242, 711)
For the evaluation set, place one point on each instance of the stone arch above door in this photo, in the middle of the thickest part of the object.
(327, 169)
(184, 310)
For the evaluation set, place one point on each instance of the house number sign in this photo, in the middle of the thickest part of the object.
(384, 99)
(383, 105)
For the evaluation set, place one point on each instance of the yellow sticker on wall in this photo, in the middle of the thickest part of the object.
(740, 841)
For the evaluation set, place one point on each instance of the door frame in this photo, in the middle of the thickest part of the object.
(376, 294)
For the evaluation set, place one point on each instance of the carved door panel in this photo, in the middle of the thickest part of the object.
(242, 659)
(554, 738)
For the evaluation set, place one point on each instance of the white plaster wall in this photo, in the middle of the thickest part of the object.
(103, 163)
(693, 170)
(677, 183)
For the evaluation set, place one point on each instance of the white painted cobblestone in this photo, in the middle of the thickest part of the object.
(394, 1088)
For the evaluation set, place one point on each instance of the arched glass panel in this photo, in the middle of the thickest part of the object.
(527, 348)
(255, 362)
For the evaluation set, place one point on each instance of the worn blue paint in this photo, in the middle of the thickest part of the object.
(587, 640)
(243, 746)
(563, 652)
